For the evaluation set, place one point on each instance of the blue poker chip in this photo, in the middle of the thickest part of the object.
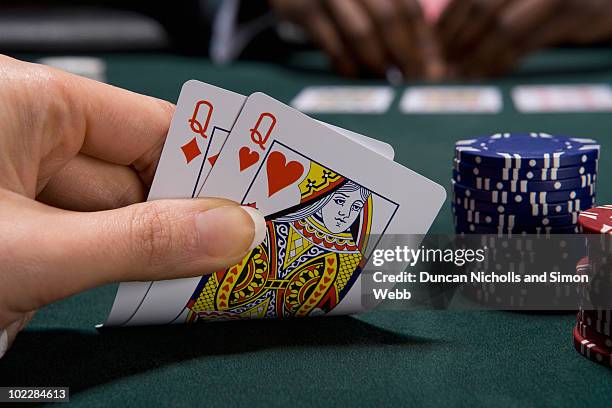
(523, 186)
(536, 197)
(526, 150)
(532, 174)
(526, 209)
(469, 228)
(514, 220)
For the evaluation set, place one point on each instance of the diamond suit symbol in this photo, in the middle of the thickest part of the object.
(191, 150)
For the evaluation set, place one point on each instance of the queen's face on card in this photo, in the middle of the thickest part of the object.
(343, 208)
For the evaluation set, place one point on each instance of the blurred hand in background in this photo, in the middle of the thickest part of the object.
(460, 38)
(373, 34)
(489, 37)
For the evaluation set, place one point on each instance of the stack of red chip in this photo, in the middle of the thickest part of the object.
(593, 330)
(597, 220)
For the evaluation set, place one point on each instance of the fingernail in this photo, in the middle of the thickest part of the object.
(3, 342)
(230, 231)
(260, 225)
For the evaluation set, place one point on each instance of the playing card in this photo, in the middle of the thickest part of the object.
(344, 99)
(451, 99)
(563, 98)
(202, 120)
(204, 116)
(382, 148)
(325, 213)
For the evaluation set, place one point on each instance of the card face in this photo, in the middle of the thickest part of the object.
(204, 117)
(377, 146)
(182, 171)
(344, 99)
(325, 213)
(563, 98)
(451, 99)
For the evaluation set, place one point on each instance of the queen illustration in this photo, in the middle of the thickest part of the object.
(312, 255)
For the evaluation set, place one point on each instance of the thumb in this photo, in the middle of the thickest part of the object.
(156, 240)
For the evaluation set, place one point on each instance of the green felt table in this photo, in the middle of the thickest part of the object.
(420, 358)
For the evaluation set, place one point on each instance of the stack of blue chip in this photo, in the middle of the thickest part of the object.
(532, 183)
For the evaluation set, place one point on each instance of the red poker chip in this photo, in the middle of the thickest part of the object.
(597, 220)
(583, 267)
(595, 295)
(604, 315)
(594, 320)
(590, 333)
(592, 350)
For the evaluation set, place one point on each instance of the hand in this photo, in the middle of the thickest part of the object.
(80, 145)
(488, 37)
(375, 34)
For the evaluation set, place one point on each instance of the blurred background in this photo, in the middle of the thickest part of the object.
(284, 48)
(399, 39)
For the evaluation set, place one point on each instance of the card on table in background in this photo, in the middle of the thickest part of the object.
(327, 201)
(563, 98)
(344, 99)
(451, 99)
(203, 118)
(88, 67)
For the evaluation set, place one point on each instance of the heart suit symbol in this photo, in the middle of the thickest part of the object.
(247, 158)
(280, 173)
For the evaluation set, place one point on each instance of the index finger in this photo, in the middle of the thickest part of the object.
(395, 34)
(119, 126)
(426, 49)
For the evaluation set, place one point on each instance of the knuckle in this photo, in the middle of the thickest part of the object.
(51, 110)
(167, 107)
(165, 116)
(151, 234)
